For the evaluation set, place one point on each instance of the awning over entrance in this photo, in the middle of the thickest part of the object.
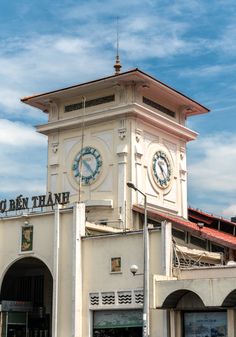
(173, 299)
(211, 234)
(206, 292)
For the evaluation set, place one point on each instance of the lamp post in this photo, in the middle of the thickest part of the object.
(145, 264)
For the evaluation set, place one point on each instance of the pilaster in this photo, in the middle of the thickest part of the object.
(56, 261)
(77, 291)
(166, 230)
(183, 182)
(122, 151)
(231, 319)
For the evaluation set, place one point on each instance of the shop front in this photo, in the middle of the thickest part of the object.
(117, 323)
(201, 303)
(14, 323)
(205, 324)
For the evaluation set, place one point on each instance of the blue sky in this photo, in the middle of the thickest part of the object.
(189, 45)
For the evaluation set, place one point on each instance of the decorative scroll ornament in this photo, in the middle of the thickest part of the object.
(122, 133)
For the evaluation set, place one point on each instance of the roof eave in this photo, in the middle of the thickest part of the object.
(181, 225)
(190, 106)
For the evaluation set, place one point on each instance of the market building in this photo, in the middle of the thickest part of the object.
(65, 257)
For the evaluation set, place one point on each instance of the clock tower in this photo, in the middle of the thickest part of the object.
(125, 127)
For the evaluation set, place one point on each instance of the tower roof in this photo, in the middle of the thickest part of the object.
(188, 105)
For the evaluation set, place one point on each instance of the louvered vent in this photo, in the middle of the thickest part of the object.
(138, 297)
(94, 299)
(108, 298)
(124, 297)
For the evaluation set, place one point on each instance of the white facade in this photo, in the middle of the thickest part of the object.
(73, 262)
(122, 120)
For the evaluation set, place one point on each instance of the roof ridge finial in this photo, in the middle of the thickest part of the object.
(117, 65)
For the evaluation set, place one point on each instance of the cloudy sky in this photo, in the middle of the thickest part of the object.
(189, 45)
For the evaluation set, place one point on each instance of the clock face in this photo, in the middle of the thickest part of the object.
(161, 169)
(87, 165)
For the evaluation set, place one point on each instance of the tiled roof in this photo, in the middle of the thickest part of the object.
(211, 234)
(193, 212)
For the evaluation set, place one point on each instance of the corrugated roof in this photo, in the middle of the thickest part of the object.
(211, 234)
(194, 212)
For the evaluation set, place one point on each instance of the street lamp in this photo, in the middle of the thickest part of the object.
(145, 264)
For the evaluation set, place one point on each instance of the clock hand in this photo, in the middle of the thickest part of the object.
(87, 166)
(162, 170)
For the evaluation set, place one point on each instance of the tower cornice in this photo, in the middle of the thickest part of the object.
(132, 110)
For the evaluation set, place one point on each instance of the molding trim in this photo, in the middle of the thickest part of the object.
(123, 111)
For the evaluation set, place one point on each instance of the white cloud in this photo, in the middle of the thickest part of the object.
(229, 211)
(17, 134)
(208, 70)
(84, 48)
(10, 99)
(227, 41)
(39, 62)
(138, 47)
(22, 174)
(72, 45)
(19, 185)
(192, 7)
(23, 159)
(211, 173)
(214, 166)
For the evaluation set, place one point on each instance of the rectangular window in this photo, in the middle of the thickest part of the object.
(198, 242)
(90, 103)
(178, 234)
(217, 249)
(158, 106)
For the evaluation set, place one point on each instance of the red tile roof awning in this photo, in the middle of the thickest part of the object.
(211, 234)
(206, 217)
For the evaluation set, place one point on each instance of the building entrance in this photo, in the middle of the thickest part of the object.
(26, 300)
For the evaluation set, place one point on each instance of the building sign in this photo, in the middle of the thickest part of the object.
(205, 324)
(27, 238)
(21, 203)
(108, 319)
(16, 306)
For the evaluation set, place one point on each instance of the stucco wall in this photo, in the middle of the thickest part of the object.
(10, 240)
(44, 250)
(97, 253)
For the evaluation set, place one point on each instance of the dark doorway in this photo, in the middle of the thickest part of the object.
(26, 297)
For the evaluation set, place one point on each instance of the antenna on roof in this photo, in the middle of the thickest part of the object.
(117, 65)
